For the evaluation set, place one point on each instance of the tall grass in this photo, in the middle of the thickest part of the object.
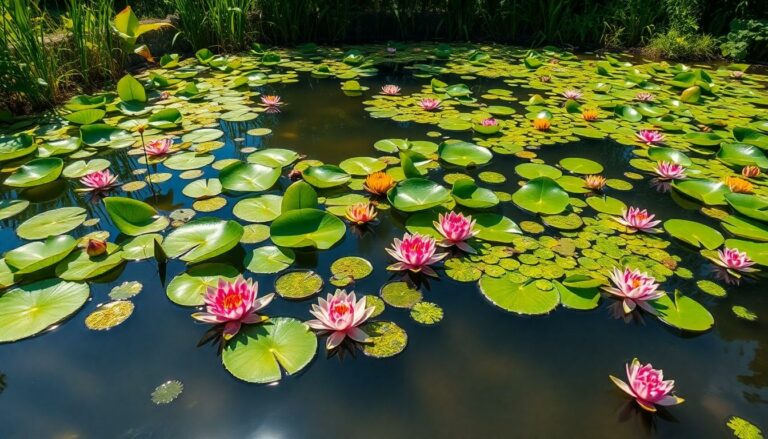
(97, 55)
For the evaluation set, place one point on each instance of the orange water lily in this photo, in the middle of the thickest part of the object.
(594, 182)
(739, 185)
(590, 115)
(378, 183)
(542, 124)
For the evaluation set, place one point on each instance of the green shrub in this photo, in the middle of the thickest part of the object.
(748, 39)
(674, 45)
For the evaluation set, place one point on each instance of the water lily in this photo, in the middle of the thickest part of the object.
(635, 288)
(390, 90)
(594, 182)
(733, 259)
(644, 97)
(545, 78)
(340, 314)
(164, 95)
(739, 185)
(737, 74)
(361, 213)
(271, 101)
(378, 183)
(456, 230)
(542, 124)
(429, 104)
(650, 137)
(234, 304)
(415, 253)
(750, 171)
(95, 247)
(391, 50)
(647, 386)
(590, 115)
(489, 122)
(670, 171)
(573, 94)
(637, 219)
(158, 147)
(99, 181)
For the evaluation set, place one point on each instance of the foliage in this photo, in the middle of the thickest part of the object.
(748, 39)
(675, 45)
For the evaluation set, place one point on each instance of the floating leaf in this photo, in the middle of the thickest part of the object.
(385, 339)
(41, 254)
(351, 267)
(325, 176)
(167, 392)
(79, 266)
(273, 157)
(414, 194)
(125, 290)
(693, 233)
(298, 284)
(51, 223)
(259, 209)
(581, 166)
(743, 429)
(109, 315)
(467, 193)
(683, 313)
(362, 165)
(464, 153)
(400, 294)
(743, 313)
(202, 239)
(542, 195)
(269, 259)
(134, 217)
(248, 177)
(427, 313)
(188, 288)
(203, 188)
(516, 297)
(36, 172)
(708, 192)
(752, 206)
(307, 228)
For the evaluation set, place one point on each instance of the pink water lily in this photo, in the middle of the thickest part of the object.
(429, 104)
(390, 90)
(391, 50)
(340, 314)
(456, 230)
(489, 122)
(361, 213)
(650, 137)
(99, 181)
(158, 147)
(233, 303)
(737, 74)
(415, 253)
(733, 259)
(670, 171)
(635, 288)
(644, 97)
(573, 94)
(271, 101)
(637, 219)
(647, 386)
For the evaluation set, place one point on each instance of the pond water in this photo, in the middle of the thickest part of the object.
(480, 372)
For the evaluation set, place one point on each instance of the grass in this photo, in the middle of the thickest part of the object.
(674, 45)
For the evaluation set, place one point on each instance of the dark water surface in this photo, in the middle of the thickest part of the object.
(481, 372)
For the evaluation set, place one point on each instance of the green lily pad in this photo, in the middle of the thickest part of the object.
(578, 298)
(746, 228)
(248, 177)
(41, 254)
(664, 154)
(134, 217)
(518, 298)
(204, 188)
(202, 239)
(362, 165)
(711, 288)
(36, 172)
(10, 208)
(269, 259)
(739, 154)
(189, 288)
(467, 193)
(400, 294)
(262, 353)
(141, 247)
(757, 251)
(415, 194)
(752, 206)
(581, 166)
(427, 313)
(496, 228)
(695, 234)
(325, 176)
(307, 228)
(273, 157)
(51, 223)
(683, 313)
(85, 117)
(13, 147)
(386, 339)
(542, 195)
(351, 267)
(606, 204)
(464, 153)
(105, 135)
(534, 170)
(298, 284)
(79, 266)
(259, 209)
(188, 160)
(299, 195)
(202, 135)
(711, 193)
(81, 168)
(703, 139)
(31, 309)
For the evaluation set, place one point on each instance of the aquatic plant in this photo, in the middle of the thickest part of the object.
(99, 181)
(456, 229)
(95, 247)
(634, 288)
(360, 213)
(739, 185)
(378, 183)
(590, 115)
(233, 304)
(733, 259)
(415, 252)
(594, 182)
(429, 104)
(390, 90)
(573, 94)
(637, 219)
(340, 314)
(542, 124)
(650, 137)
(645, 97)
(750, 171)
(271, 101)
(158, 147)
(647, 386)
(669, 171)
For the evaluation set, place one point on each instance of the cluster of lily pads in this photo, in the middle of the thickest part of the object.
(698, 136)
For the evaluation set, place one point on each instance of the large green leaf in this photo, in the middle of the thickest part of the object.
(273, 157)
(496, 228)
(664, 154)
(535, 170)
(104, 135)
(62, 146)
(188, 160)
(467, 193)
(261, 353)
(51, 223)
(464, 153)
(80, 266)
(41, 254)
(325, 176)
(695, 234)
(299, 195)
(202, 239)
(684, 313)
(518, 298)
(10, 208)
(269, 259)
(746, 228)
(752, 206)
(134, 217)
(129, 89)
(189, 288)
(542, 195)
(750, 136)
(708, 192)
(739, 154)
(13, 147)
(86, 117)
(307, 228)
(579, 165)
(259, 209)
(203, 188)
(36, 172)
(577, 297)
(248, 177)
(165, 119)
(414, 194)
(362, 165)
(81, 168)
(757, 251)
(30, 309)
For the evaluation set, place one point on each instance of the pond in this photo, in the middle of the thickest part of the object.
(519, 337)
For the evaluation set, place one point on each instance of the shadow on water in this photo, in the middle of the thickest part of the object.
(480, 373)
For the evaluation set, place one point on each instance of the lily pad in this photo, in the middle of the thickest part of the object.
(36, 172)
(13, 147)
(386, 339)
(400, 294)
(752, 206)
(307, 228)
(415, 194)
(683, 313)
(269, 259)
(248, 177)
(325, 176)
(518, 298)
(262, 353)
(189, 288)
(695, 234)
(298, 284)
(51, 223)
(739, 154)
(581, 166)
(41, 254)
(468, 194)
(542, 195)
(10, 208)
(202, 239)
(574, 297)
(109, 315)
(79, 266)
(362, 165)
(259, 209)
(708, 192)
(427, 313)
(496, 228)
(464, 153)
(273, 157)
(134, 217)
